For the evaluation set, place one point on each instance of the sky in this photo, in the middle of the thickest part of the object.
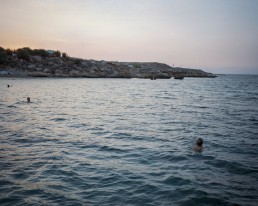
(218, 36)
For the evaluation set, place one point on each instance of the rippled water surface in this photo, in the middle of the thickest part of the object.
(129, 141)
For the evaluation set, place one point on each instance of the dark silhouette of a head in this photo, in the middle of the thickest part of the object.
(199, 141)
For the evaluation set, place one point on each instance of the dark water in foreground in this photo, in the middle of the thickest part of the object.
(129, 141)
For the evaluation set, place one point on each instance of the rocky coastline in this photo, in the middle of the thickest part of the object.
(64, 66)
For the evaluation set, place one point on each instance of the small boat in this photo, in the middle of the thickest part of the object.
(153, 78)
(179, 77)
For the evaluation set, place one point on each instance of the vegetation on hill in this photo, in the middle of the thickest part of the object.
(3, 56)
(25, 54)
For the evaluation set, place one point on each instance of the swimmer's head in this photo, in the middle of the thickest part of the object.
(199, 142)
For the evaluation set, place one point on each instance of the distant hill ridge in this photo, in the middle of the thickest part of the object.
(48, 63)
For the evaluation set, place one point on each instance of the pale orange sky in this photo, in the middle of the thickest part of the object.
(219, 36)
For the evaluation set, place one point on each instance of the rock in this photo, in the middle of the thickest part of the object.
(38, 74)
(5, 73)
(60, 61)
(74, 73)
(46, 70)
(86, 63)
(69, 63)
(32, 66)
(106, 70)
(39, 69)
(36, 58)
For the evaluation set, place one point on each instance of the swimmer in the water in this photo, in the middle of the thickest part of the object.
(198, 147)
(28, 99)
(8, 85)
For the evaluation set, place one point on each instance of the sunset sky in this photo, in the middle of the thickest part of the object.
(218, 36)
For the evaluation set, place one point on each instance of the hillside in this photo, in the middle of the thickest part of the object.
(34, 64)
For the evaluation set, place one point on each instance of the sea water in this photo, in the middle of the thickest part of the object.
(129, 141)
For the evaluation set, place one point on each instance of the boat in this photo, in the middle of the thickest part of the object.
(153, 78)
(179, 77)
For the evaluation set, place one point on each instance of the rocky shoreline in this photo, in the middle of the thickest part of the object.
(38, 66)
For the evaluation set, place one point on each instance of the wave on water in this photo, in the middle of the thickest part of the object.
(129, 142)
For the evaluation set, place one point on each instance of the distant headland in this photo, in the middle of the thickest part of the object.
(26, 62)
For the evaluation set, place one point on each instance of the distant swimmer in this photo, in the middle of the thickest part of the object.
(198, 147)
(28, 99)
(8, 85)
